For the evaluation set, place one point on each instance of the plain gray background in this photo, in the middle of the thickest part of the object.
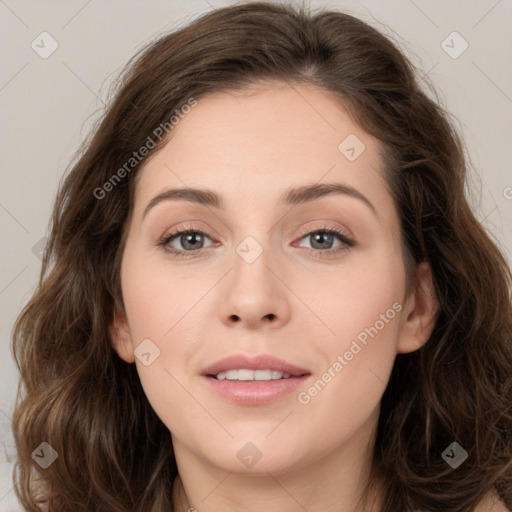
(47, 105)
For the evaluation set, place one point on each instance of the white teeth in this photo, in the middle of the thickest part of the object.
(265, 375)
(245, 374)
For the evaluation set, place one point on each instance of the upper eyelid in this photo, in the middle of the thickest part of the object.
(336, 229)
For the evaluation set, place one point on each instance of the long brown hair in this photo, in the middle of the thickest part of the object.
(78, 396)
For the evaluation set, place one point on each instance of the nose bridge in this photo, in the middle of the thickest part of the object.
(251, 272)
(252, 241)
(253, 293)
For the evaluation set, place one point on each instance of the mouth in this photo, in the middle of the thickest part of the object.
(248, 375)
(254, 380)
(263, 367)
(255, 392)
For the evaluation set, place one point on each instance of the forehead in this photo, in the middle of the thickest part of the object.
(255, 143)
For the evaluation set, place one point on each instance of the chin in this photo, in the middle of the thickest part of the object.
(257, 458)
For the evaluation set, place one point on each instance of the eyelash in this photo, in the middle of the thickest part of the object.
(347, 241)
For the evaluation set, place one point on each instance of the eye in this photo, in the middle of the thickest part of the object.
(321, 240)
(191, 240)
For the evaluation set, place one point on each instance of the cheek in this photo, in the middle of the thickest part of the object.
(353, 297)
(160, 300)
(163, 310)
(357, 363)
(360, 308)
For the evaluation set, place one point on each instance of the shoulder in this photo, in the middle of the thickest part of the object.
(491, 503)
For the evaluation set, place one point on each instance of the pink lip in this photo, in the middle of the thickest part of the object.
(261, 362)
(254, 392)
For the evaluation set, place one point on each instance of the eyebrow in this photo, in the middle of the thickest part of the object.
(292, 196)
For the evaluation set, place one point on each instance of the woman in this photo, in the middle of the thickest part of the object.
(264, 287)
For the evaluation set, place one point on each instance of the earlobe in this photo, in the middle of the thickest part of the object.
(420, 311)
(120, 337)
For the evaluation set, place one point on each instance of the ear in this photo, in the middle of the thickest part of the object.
(420, 311)
(120, 336)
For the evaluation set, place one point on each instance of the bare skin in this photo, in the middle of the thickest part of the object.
(291, 301)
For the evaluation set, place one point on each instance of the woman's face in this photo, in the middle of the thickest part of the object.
(263, 275)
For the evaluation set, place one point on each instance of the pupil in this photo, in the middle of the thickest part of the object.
(190, 238)
(321, 237)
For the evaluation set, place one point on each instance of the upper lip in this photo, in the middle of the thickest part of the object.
(259, 362)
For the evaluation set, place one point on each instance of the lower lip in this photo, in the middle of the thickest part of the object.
(255, 392)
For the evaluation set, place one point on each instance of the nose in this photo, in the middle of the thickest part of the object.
(254, 294)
